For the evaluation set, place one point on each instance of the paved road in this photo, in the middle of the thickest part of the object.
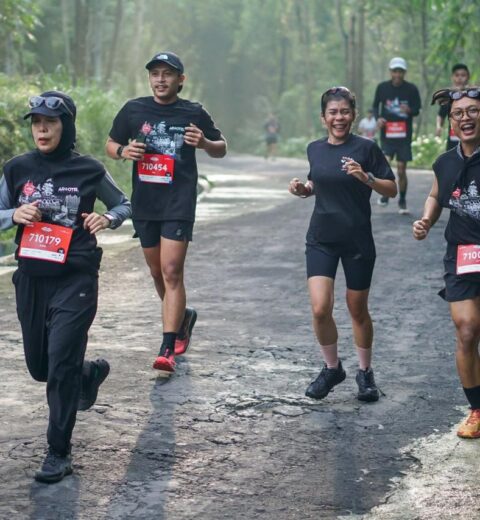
(231, 435)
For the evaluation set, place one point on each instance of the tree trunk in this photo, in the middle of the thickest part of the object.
(113, 47)
(360, 51)
(135, 50)
(66, 37)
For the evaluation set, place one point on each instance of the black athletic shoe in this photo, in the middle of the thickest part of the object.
(327, 379)
(99, 370)
(54, 467)
(367, 389)
(185, 333)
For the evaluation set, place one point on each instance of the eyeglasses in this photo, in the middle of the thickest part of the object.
(472, 113)
(51, 102)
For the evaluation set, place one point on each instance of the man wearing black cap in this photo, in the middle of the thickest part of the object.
(395, 105)
(159, 134)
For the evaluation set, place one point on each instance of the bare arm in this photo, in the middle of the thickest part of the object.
(384, 187)
(431, 213)
(133, 151)
(194, 136)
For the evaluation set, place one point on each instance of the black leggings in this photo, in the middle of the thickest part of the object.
(55, 314)
(324, 262)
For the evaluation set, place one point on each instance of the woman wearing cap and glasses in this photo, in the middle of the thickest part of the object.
(49, 193)
(344, 169)
(456, 186)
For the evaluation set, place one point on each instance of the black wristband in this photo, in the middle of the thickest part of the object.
(120, 151)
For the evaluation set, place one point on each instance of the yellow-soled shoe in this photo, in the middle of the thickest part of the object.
(470, 427)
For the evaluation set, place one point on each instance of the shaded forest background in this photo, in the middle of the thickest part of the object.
(243, 58)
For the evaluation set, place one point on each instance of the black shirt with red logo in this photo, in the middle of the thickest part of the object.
(165, 182)
(342, 202)
(459, 190)
(63, 189)
(389, 102)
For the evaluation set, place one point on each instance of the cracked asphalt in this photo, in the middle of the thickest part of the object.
(231, 435)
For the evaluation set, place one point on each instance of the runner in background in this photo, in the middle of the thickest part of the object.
(460, 78)
(456, 186)
(368, 126)
(160, 135)
(344, 170)
(272, 129)
(49, 193)
(395, 105)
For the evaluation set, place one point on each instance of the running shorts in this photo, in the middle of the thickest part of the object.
(150, 231)
(401, 150)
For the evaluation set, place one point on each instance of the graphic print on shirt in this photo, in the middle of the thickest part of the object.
(344, 161)
(58, 205)
(393, 106)
(466, 202)
(163, 139)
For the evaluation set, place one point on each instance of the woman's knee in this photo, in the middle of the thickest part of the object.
(322, 312)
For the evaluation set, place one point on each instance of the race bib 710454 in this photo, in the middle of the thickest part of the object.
(156, 168)
(396, 129)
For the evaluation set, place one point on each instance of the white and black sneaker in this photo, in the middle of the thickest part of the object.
(402, 208)
(382, 201)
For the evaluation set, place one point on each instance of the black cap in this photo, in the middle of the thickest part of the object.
(169, 58)
(67, 108)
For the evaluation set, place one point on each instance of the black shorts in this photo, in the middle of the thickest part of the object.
(271, 139)
(323, 260)
(401, 150)
(458, 287)
(150, 231)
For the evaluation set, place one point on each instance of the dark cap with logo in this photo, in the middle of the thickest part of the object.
(52, 103)
(169, 58)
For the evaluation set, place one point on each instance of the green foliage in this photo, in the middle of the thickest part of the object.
(425, 149)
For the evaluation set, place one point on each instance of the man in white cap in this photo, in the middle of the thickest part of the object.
(395, 105)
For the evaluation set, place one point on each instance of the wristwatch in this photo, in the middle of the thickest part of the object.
(119, 151)
(371, 178)
(110, 219)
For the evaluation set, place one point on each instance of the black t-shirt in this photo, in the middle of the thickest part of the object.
(459, 190)
(164, 128)
(342, 203)
(65, 188)
(387, 102)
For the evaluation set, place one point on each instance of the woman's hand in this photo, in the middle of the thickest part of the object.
(353, 168)
(298, 188)
(27, 213)
(94, 222)
(421, 228)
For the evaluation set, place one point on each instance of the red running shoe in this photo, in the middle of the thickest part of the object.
(185, 333)
(165, 363)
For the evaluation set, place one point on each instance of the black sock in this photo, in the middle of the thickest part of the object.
(403, 194)
(473, 396)
(168, 343)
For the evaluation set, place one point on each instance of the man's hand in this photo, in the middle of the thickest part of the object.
(421, 228)
(27, 213)
(194, 136)
(134, 151)
(381, 122)
(94, 222)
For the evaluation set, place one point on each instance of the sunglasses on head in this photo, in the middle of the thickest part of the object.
(445, 95)
(337, 90)
(51, 102)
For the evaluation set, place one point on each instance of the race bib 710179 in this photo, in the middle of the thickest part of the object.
(44, 241)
